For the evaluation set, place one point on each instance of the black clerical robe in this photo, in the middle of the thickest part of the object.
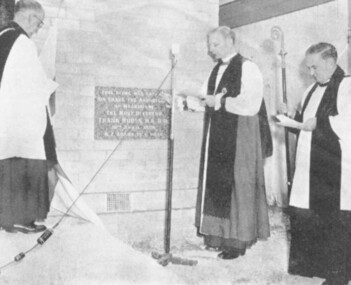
(232, 209)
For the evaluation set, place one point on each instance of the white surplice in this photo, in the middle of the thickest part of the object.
(24, 94)
(248, 102)
(341, 125)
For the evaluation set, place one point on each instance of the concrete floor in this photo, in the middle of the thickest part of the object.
(78, 253)
(265, 263)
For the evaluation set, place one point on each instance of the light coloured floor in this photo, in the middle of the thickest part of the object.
(78, 253)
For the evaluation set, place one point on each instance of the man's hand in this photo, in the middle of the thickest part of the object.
(309, 125)
(284, 109)
(209, 100)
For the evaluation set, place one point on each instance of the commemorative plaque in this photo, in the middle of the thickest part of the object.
(131, 113)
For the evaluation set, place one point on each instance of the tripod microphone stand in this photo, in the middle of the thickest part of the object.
(166, 257)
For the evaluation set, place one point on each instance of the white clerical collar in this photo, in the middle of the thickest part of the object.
(228, 58)
(323, 84)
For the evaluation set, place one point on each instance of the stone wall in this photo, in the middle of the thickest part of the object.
(327, 22)
(126, 44)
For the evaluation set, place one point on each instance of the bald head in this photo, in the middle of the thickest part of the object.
(221, 42)
(224, 31)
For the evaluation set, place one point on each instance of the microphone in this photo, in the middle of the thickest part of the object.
(175, 49)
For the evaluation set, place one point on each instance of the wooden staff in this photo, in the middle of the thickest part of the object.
(277, 34)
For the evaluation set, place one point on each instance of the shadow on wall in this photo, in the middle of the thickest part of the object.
(6, 12)
(303, 75)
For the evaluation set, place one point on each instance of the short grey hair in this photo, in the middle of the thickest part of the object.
(25, 5)
(326, 50)
(225, 31)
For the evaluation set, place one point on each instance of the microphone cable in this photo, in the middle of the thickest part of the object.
(49, 232)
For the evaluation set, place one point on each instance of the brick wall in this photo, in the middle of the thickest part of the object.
(126, 44)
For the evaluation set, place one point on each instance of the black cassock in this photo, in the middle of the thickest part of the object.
(321, 233)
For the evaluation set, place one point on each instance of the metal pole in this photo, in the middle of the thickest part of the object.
(170, 160)
(166, 258)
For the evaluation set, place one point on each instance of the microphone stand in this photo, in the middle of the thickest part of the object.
(277, 34)
(166, 257)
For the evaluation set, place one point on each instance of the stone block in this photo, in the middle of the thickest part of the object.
(88, 26)
(81, 14)
(76, 57)
(97, 202)
(68, 24)
(87, 90)
(93, 50)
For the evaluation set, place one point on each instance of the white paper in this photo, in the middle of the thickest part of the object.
(194, 103)
(288, 122)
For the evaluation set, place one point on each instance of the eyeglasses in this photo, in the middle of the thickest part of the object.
(41, 23)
